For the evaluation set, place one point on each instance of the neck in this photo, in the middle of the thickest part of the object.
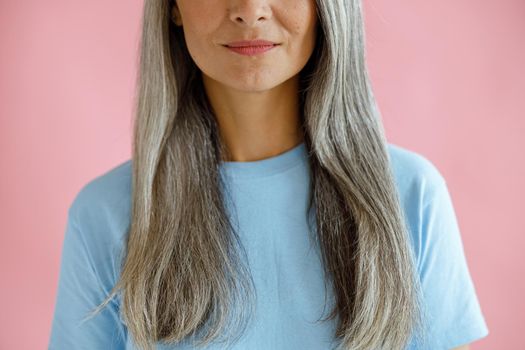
(257, 124)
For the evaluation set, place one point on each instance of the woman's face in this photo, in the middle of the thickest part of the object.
(209, 25)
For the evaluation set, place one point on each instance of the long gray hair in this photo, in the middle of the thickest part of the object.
(183, 271)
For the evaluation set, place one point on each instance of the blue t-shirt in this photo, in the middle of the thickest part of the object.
(268, 203)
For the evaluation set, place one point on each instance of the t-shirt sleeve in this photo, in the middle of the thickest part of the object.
(454, 316)
(79, 291)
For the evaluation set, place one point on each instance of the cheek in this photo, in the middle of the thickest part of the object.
(198, 23)
(302, 37)
(198, 40)
(300, 21)
(203, 51)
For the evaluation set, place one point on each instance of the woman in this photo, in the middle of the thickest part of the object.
(262, 192)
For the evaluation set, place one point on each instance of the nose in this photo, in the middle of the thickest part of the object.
(250, 12)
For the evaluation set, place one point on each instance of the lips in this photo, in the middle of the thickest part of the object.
(249, 43)
(251, 50)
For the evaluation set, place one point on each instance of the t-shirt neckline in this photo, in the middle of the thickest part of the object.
(267, 166)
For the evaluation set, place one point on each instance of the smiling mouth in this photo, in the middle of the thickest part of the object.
(254, 42)
(259, 45)
(251, 50)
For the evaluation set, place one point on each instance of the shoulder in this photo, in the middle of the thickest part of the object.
(107, 189)
(101, 208)
(110, 189)
(420, 184)
(452, 310)
(414, 173)
(92, 251)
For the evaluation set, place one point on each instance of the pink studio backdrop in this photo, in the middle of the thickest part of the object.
(448, 76)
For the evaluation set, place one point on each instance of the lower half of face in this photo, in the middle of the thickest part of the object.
(209, 26)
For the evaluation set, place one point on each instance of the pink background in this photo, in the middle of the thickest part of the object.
(448, 76)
